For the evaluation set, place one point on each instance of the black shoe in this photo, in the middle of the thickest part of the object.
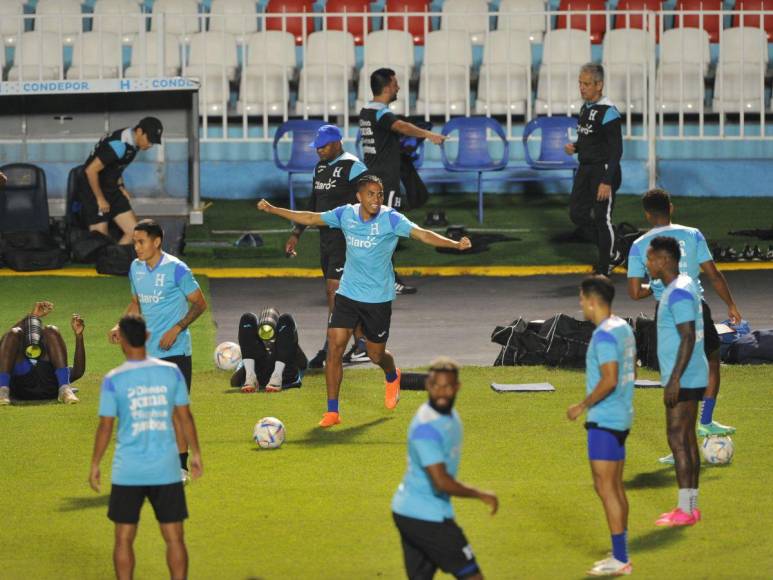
(758, 255)
(747, 254)
(730, 255)
(616, 260)
(769, 255)
(354, 355)
(318, 361)
(402, 288)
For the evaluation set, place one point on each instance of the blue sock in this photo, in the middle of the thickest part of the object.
(391, 376)
(361, 344)
(332, 405)
(63, 376)
(620, 547)
(5, 379)
(707, 412)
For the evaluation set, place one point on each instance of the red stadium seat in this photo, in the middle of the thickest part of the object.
(598, 22)
(753, 20)
(415, 23)
(636, 21)
(354, 24)
(293, 25)
(711, 22)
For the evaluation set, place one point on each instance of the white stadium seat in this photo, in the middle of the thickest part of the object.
(11, 21)
(59, 16)
(684, 62)
(122, 17)
(626, 54)
(739, 84)
(38, 56)
(504, 74)
(468, 15)
(96, 55)
(444, 83)
(238, 17)
(180, 16)
(270, 65)
(514, 15)
(210, 53)
(387, 49)
(145, 58)
(564, 52)
(327, 72)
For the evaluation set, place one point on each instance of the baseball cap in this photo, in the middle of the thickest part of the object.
(326, 134)
(153, 128)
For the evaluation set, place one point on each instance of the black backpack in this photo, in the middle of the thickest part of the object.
(115, 259)
(32, 251)
(646, 333)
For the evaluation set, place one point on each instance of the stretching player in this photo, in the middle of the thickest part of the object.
(421, 507)
(367, 288)
(609, 363)
(695, 257)
(684, 371)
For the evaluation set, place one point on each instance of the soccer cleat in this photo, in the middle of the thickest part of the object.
(675, 519)
(617, 259)
(354, 355)
(401, 288)
(757, 254)
(273, 388)
(185, 477)
(66, 395)
(667, 460)
(318, 361)
(392, 392)
(5, 396)
(714, 428)
(696, 515)
(330, 419)
(610, 567)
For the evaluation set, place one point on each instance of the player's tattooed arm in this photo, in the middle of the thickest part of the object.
(197, 305)
(433, 239)
(686, 332)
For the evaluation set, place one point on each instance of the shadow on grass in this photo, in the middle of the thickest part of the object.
(34, 403)
(317, 437)
(74, 504)
(655, 539)
(653, 479)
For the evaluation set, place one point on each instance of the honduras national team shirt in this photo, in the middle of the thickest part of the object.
(163, 297)
(432, 438)
(695, 251)
(143, 395)
(680, 303)
(368, 276)
(612, 341)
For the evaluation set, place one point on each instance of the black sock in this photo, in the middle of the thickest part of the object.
(184, 460)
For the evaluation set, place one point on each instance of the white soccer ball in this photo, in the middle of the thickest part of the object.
(269, 433)
(718, 450)
(228, 355)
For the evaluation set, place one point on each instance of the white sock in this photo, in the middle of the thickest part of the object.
(693, 499)
(249, 370)
(276, 376)
(684, 500)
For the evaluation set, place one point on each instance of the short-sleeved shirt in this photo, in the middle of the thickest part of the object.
(143, 395)
(162, 293)
(116, 151)
(612, 341)
(695, 251)
(368, 276)
(380, 145)
(680, 303)
(432, 438)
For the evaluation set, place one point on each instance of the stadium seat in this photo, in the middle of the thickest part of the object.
(684, 62)
(38, 56)
(513, 15)
(302, 158)
(145, 62)
(753, 20)
(391, 49)
(270, 66)
(327, 72)
(237, 17)
(504, 80)
(444, 83)
(354, 25)
(581, 20)
(468, 15)
(123, 17)
(564, 52)
(554, 134)
(415, 25)
(710, 22)
(210, 53)
(179, 16)
(626, 54)
(739, 84)
(24, 199)
(96, 55)
(636, 20)
(11, 21)
(473, 153)
(59, 16)
(292, 24)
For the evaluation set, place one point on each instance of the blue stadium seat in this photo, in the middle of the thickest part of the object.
(303, 158)
(555, 134)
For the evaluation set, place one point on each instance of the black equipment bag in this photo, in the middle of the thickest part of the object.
(115, 259)
(88, 246)
(626, 235)
(32, 251)
(646, 333)
(755, 348)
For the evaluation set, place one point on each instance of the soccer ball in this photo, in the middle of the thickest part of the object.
(718, 450)
(228, 355)
(269, 433)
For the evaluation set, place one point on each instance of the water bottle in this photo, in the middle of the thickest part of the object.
(267, 324)
(33, 330)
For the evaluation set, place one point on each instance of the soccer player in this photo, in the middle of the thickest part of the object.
(101, 189)
(421, 507)
(695, 258)
(381, 131)
(367, 287)
(166, 293)
(144, 394)
(684, 371)
(271, 355)
(334, 184)
(33, 359)
(599, 148)
(609, 380)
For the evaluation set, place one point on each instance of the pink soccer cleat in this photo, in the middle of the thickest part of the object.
(675, 518)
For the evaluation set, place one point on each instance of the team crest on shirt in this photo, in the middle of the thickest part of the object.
(160, 279)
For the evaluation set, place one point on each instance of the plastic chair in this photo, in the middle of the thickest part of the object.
(413, 24)
(555, 134)
(354, 25)
(711, 22)
(292, 24)
(303, 158)
(24, 200)
(473, 154)
(753, 20)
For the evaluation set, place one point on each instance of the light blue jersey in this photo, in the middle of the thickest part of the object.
(680, 303)
(612, 341)
(143, 395)
(432, 438)
(695, 251)
(368, 276)
(163, 297)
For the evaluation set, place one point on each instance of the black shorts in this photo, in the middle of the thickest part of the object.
(39, 384)
(332, 254)
(691, 394)
(185, 364)
(428, 546)
(710, 334)
(168, 502)
(375, 318)
(90, 209)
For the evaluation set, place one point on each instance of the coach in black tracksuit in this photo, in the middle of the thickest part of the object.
(599, 148)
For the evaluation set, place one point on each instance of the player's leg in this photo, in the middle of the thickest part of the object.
(176, 552)
(56, 351)
(283, 371)
(124, 511)
(692, 409)
(123, 553)
(124, 218)
(581, 204)
(337, 339)
(680, 425)
(168, 502)
(711, 345)
(10, 352)
(250, 349)
(185, 364)
(418, 565)
(602, 222)
(376, 320)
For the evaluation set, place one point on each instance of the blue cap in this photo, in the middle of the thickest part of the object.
(327, 134)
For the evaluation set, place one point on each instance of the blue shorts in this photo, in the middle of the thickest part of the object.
(604, 446)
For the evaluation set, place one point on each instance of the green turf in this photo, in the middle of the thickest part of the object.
(542, 215)
(319, 507)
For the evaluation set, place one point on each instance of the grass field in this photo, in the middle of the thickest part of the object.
(319, 506)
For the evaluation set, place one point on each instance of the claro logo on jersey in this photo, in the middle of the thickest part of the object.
(154, 298)
(367, 243)
(330, 184)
